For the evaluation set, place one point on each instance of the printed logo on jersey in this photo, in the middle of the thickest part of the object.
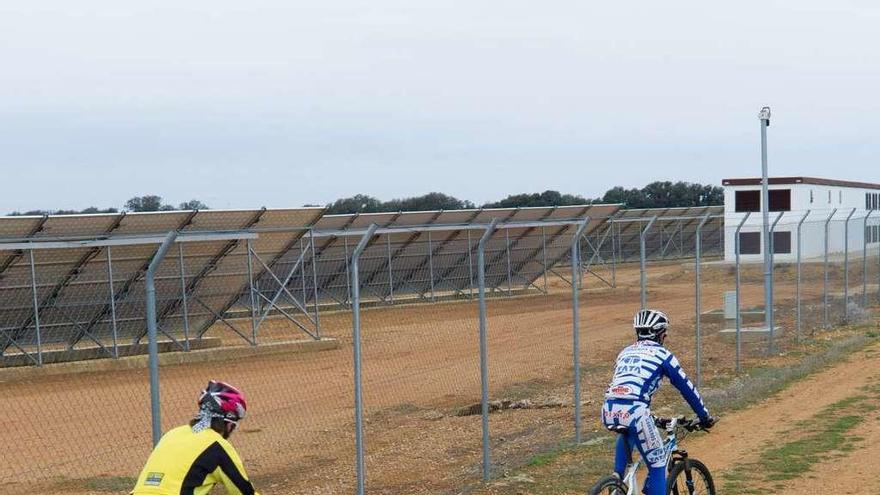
(154, 479)
(656, 458)
(621, 390)
(618, 414)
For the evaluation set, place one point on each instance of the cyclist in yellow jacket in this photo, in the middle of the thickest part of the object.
(191, 459)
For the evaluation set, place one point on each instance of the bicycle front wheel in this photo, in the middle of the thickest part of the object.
(690, 477)
(609, 485)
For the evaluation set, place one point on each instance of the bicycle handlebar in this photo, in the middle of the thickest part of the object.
(680, 421)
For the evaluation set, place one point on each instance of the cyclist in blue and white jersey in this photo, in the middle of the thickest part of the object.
(627, 408)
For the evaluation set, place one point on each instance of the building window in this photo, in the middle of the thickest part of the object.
(780, 200)
(829, 197)
(876, 202)
(869, 201)
(749, 243)
(811, 196)
(782, 243)
(748, 201)
(840, 197)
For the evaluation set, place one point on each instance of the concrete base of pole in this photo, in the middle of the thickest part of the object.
(717, 316)
(750, 334)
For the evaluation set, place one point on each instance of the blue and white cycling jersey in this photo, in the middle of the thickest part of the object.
(638, 372)
(627, 407)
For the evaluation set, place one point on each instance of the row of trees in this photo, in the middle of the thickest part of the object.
(661, 194)
(136, 204)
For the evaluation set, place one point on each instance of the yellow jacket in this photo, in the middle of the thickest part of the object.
(187, 463)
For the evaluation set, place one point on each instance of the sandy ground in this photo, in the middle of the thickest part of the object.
(739, 436)
(420, 364)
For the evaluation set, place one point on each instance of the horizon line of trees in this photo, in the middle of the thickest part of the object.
(149, 202)
(659, 194)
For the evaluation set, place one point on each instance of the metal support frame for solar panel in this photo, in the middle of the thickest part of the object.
(680, 220)
(7, 263)
(71, 275)
(428, 260)
(470, 255)
(561, 256)
(81, 242)
(193, 285)
(426, 256)
(295, 310)
(123, 292)
(520, 265)
(596, 256)
(91, 246)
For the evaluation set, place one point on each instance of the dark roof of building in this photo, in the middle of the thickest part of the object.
(756, 181)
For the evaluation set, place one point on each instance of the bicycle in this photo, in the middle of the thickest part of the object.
(687, 476)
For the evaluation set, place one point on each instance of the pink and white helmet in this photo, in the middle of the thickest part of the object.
(223, 400)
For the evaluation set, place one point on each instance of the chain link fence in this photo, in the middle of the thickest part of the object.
(273, 312)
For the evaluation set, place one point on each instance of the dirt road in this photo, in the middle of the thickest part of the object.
(774, 429)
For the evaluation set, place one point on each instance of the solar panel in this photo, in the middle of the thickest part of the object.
(72, 284)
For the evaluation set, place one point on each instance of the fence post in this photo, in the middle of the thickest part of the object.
(738, 291)
(846, 266)
(112, 304)
(356, 344)
(642, 275)
(797, 296)
(250, 274)
(507, 250)
(153, 345)
(315, 281)
(470, 266)
(484, 351)
(431, 264)
(825, 281)
(36, 308)
(698, 310)
(769, 311)
(183, 304)
(865, 261)
(390, 273)
(576, 325)
(613, 258)
(544, 255)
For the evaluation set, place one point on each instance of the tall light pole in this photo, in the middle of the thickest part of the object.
(764, 117)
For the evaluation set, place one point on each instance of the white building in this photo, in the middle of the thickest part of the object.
(817, 200)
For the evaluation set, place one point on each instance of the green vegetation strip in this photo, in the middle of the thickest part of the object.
(826, 435)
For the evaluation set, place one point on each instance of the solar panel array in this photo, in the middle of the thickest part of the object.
(672, 236)
(71, 287)
(299, 263)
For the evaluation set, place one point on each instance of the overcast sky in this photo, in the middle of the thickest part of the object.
(282, 103)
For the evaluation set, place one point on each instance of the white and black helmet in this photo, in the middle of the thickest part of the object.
(650, 324)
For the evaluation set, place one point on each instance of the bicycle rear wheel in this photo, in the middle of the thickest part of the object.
(609, 485)
(690, 477)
